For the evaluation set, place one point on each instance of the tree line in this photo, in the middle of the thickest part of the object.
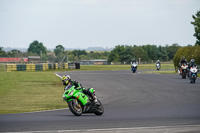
(121, 53)
(59, 54)
(146, 53)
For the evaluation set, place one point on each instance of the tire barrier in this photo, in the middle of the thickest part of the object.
(45, 66)
(11, 67)
(30, 67)
(41, 67)
(21, 67)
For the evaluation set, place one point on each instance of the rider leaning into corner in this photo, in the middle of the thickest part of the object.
(182, 61)
(66, 79)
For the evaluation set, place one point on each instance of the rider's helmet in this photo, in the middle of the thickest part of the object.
(183, 59)
(66, 79)
(192, 61)
(158, 60)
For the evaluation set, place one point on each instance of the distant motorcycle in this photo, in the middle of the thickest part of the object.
(193, 74)
(134, 67)
(157, 66)
(184, 69)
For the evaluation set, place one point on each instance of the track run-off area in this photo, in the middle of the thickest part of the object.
(132, 102)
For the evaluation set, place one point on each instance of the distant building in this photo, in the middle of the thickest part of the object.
(93, 62)
(34, 59)
(12, 60)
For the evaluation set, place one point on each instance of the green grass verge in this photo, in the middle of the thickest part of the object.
(30, 91)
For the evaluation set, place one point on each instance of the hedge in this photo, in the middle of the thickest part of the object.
(189, 53)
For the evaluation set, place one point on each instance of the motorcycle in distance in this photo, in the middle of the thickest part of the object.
(184, 69)
(80, 103)
(134, 67)
(157, 66)
(193, 74)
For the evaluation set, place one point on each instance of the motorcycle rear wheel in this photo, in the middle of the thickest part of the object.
(100, 109)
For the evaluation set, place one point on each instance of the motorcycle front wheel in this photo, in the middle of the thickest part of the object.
(75, 107)
(100, 109)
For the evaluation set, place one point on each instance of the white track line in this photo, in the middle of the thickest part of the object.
(113, 129)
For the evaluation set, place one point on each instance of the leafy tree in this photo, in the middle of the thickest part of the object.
(187, 52)
(14, 53)
(2, 52)
(51, 57)
(172, 50)
(59, 49)
(162, 53)
(79, 52)
(121, 53)
(139, 52)
(36, 47)
(113, 57)
(152, 52)
(196, 24)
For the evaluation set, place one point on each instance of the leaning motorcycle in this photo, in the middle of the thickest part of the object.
(193, 74)
(184, 69)
(157, 66)
(134, 67)
(80, 103)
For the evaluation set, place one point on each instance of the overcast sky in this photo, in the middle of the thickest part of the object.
(96, 23)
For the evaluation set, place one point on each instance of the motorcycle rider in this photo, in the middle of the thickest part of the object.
(190, 65)
(134, 61)
(182, 61)
(158, 62)
(66, 79)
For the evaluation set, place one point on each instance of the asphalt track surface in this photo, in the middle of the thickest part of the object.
(131, 100)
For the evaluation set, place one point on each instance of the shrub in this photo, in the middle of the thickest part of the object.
(189, 53)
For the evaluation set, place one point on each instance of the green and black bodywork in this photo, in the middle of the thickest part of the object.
(81, 103)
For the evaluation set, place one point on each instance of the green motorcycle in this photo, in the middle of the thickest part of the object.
(80, 103)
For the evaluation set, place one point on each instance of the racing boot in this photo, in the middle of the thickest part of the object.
(95, 99)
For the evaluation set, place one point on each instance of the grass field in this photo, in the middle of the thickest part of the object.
(35, 91)
(30, 91)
